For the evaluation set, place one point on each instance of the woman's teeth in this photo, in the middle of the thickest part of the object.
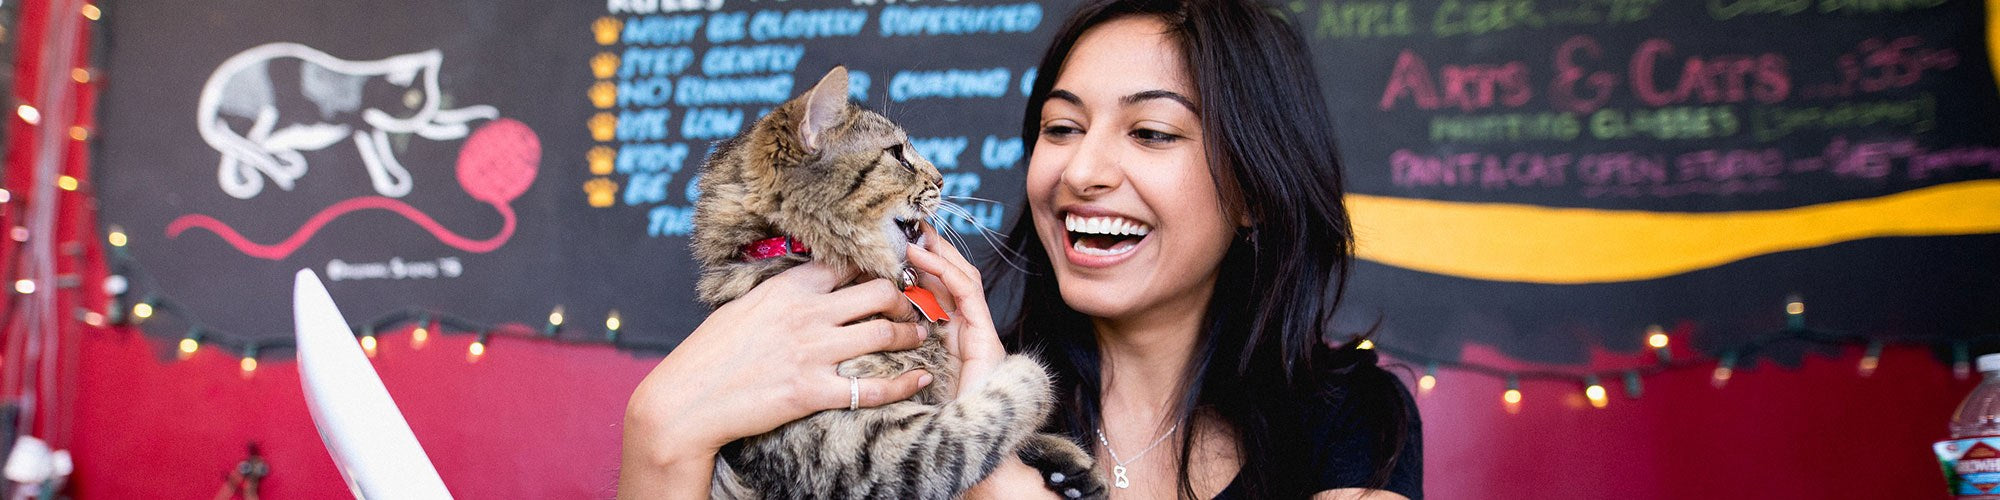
(1110, 226)
(1104, 236)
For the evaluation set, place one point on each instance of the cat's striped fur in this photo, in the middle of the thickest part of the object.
(847, 182)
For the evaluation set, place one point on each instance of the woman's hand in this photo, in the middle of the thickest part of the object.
(970, 334)
(758, 362)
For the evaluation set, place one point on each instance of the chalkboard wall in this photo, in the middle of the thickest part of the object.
(1539, 176)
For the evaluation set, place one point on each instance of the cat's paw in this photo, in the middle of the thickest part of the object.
(1064, 466)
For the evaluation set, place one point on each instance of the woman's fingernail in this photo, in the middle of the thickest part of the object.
(924, 380)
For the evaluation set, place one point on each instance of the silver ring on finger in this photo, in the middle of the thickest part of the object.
(853, 393)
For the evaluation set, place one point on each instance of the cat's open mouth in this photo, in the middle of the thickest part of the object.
(911, 231)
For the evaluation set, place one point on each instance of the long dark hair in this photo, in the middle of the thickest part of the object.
(1263, 350)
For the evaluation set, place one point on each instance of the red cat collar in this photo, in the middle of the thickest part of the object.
(774, 247)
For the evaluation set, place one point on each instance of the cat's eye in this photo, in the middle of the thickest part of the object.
(897, 151)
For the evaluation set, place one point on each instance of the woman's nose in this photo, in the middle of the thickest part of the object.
(1094, 169)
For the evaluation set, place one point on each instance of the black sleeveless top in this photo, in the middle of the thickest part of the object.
(1343, 451)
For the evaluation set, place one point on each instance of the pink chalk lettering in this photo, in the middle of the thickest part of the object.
(1563, 90)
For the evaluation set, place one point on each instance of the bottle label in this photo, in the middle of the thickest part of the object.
(1971, 467)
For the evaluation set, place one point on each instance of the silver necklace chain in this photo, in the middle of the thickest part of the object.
(1118, 469)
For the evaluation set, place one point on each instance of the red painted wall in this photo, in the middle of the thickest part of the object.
(536, 420)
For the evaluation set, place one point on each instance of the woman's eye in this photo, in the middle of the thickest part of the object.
(1060, 131)
(1154, 136)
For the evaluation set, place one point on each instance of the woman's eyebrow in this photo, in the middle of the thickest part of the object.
(1067, 96)
(1138, 97)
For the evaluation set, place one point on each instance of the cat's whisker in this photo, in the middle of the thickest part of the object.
(1006, 255)
(967, 214)
(945, 230)
(973, 198)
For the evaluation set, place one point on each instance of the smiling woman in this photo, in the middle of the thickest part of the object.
(1186, 246)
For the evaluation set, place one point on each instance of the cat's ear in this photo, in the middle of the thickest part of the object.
(825, 106)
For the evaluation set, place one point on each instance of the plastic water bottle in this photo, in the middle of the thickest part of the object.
(1971, 458)
(1979, 414)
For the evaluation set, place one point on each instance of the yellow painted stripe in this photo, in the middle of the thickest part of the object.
(1536, 244)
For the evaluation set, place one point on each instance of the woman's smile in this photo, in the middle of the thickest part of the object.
(1099, 237)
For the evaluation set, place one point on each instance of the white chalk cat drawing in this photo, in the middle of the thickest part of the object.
(242, 90)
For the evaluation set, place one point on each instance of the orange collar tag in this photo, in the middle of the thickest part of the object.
(926, 303)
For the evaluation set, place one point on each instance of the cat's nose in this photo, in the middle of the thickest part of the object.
(939, 182)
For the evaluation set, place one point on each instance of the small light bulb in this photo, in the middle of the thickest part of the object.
(475, 351)
(1721, 378)
(1871, 360)
(611, 322)
(1795, 307)
(80, 75)
(1657, 337)
(117, 237)
(1426, 383)
(1596, 394)
(77, 132)
(142, 310)
(420, 336)
(93, 318)
(91, 12)
(188, 346)
(1366, 344)
(556, 316)
(29, 114)
(67, 183)
(368, 345)
(24, 286)
(1513, 395)
(249, 365)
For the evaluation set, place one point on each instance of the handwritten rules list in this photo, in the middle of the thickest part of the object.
(673, 78)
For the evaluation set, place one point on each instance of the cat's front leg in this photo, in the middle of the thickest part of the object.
(384, 171)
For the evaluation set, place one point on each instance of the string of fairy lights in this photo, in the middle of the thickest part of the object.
(1591, 383)
(1722, 367)
(423, 323)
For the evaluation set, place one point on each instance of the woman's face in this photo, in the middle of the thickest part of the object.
(1119, 185)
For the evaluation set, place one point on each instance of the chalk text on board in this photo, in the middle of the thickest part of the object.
(1916, 116)
(641, 61)
(1505, 127)
(669, 220)
(1363, 19)
(1729, 9)
(647, 157)
(948, 84)
(899, 20)
(1468, 86)
(941, 151)
(1668, 123)
(660, 30)
(767, 25)
(657, 6)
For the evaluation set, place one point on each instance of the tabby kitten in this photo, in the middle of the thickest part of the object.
(822, 178)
